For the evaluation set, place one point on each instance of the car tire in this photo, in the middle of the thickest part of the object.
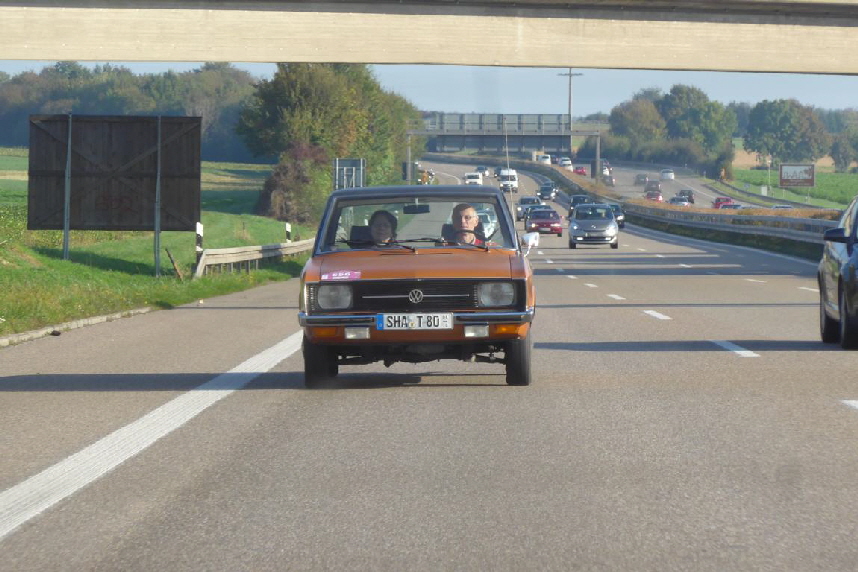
(572, 245)
(319, 364)
(615, 245)
(829, 328)
(517, 358)
(848, 327)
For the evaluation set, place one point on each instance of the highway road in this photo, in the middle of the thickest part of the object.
(684, 416)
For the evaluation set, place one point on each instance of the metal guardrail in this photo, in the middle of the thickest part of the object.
(807, 230)
(799, 229)
(246, 254)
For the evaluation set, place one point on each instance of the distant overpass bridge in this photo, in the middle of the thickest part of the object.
(809, 36)
(494, 132)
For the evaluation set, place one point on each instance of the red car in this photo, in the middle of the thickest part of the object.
(544, 221)
(580, 171)
(720, 201)
(654, 196)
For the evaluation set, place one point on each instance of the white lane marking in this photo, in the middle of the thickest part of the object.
(539, 252)
(809, 289)
(642, 249)
(38, 493)
(549, 261)
(590, 285)
(615, 297)
(755, 280)
(572, 277)
(659, 255)
(721, 246)
(850, 402)
(685, 265)
(731, 347)
(655, 314)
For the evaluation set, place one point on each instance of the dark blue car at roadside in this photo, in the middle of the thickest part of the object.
(838, 285)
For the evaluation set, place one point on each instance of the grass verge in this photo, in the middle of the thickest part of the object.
(114, 271)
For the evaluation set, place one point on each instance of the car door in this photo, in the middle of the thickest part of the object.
(839, 258)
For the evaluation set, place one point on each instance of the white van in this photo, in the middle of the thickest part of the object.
(508, 180)
(473, 178)
(543, 159)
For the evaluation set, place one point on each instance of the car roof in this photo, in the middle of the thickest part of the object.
(420, 190)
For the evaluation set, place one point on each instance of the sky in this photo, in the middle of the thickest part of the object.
(473, 89)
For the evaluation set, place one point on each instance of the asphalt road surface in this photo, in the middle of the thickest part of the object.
(683, 416)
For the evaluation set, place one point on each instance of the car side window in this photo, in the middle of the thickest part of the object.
(847, 221)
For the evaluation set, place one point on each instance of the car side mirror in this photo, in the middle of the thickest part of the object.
(835, 235)
(529, 240)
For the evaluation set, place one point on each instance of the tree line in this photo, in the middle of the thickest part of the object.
(685, 127)
(301, 119)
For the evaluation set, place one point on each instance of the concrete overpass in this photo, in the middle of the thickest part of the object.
(808, 36)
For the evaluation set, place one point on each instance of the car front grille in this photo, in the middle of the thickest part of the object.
(399, 296)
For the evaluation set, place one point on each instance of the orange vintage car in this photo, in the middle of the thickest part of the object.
(410, 274)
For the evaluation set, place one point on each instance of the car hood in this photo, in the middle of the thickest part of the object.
(593, 224)
(463, 262)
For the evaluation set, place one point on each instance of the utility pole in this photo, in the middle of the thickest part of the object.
(570, 75)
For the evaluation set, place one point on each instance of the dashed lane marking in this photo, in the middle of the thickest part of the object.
(685, 265)
(731, 347)
(615, 297)
(590, 285)
(755, 280)
(572, 277)
(809, 289)
(657, 315)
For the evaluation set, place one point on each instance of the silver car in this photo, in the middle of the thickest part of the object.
(593, 224)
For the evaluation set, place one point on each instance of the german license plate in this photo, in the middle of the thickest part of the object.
(414, 321)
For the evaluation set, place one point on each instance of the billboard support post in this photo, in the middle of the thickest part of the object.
(158, 206)
(67, 195)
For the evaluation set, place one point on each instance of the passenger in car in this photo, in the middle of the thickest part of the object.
(466, 225)
(382, 227)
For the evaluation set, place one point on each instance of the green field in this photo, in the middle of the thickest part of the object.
(112, 271)
(832, 190)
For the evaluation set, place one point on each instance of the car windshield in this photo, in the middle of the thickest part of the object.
(545, 214)
(416, 222)
(528, 201)
(594, 213)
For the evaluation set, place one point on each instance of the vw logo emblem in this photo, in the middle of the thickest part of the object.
(415, 296)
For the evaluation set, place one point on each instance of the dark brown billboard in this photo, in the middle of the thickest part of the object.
(114, 172)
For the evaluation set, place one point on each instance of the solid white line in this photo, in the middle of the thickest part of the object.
(655, 314)
(38, 493)
(738, 350)
(590, 285)
(615, 297)
(572, 277)
(809, 289)
(850, 402)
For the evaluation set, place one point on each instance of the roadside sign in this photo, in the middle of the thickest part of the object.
(797, 176)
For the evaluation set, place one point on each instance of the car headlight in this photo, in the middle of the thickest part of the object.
(573, 226)
(611, 230)
(334, 296)
(496, 294)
